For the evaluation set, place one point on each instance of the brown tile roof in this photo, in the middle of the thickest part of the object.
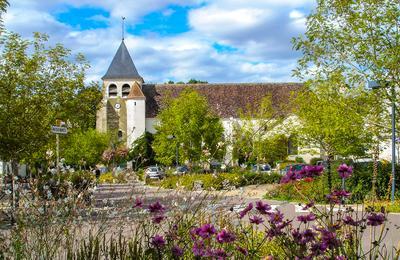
(136, 92)
(224, 99)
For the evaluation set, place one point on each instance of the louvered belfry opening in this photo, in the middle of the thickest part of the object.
(112, 90)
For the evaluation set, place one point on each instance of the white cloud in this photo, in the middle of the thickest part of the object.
(259, 29)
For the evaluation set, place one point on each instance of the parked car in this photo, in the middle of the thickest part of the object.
(154, 172)
(296, 167)
(181, 170)
(262, 168)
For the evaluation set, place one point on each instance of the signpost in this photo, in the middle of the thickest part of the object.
(58, 130)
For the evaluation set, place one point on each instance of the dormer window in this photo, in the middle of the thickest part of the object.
(112, 90)
(125, 90)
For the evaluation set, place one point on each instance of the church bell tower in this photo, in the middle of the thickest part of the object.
(123, 105)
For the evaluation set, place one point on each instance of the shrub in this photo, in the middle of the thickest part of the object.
(219, 181)
(314, 160)
(109, 177)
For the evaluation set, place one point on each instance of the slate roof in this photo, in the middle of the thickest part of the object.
(224, 99)
(122, 66)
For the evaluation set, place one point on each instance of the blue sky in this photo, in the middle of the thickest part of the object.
(212, 40)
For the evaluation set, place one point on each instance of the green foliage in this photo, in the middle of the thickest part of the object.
(37, 85)
(299, 159)
(188, 125)
(109, 177)
(3, 9)
(85, 148)
(331, 116)
(219, 181)
(359, 37)
(142, 153)
(314, 160)
(259, 137)
(195, 81)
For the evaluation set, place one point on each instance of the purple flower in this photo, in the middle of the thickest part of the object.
(309, 205)
(328, 239)
(306, 218)
(158, 241)
(198, 248)
(242, 250)
(348, 220)
(313, 171)
(157, 219)
(138, 203)
(219, 253)
(205, 231)
(290, 176)
(275, 217)
(256, 220)
(337, 195)
(344, 171)
(176, 251)
(225, 237)
(375, 219)
(246, 210)
(263, 208)
(307, 236)
(156, 207)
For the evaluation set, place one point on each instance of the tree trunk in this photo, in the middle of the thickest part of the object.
(328, 161)
(14, 189)
(375, 171)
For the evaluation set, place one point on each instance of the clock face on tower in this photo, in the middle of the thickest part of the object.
(117, 106)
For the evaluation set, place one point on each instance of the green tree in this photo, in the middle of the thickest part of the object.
(36, 85)
(85, 148)
(258, 136)
(332, 117)
(142, 153)
(3, 9)
(361, 38)
(195, 81)
(187, 124)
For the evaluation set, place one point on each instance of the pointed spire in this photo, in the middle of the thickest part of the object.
(123, 28)
(122, 66)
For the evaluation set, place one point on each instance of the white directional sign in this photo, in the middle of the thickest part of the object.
(59, 130)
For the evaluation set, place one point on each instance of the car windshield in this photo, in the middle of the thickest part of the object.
(266, 167)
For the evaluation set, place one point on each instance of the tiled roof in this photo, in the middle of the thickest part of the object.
(224, 99)
(122, 66)
(136, 92)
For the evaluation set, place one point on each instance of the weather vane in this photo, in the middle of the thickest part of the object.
(123, 29)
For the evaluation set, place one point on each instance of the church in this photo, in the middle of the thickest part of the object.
(130, 106)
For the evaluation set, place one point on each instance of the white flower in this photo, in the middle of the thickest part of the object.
(104, 201)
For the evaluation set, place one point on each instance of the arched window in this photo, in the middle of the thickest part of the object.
(112, 90)
(125, 90)
(120, 135)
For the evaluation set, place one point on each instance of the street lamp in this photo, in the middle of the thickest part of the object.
(375, 85)
(170, 137)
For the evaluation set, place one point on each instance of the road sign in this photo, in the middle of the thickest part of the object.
(59, 130)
